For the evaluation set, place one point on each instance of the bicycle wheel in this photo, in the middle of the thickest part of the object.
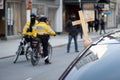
(34, 57)
(19, 51)
(28, 53)
(49, 51)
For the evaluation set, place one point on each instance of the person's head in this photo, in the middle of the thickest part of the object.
(43, 18)
(102, 17)
(33, 17)
(73, 17)
(32, 21)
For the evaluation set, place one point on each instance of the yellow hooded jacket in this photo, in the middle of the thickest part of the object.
(33, 33)
(42, 29)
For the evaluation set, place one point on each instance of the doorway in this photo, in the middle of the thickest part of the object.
(69, 9)
(2, 23)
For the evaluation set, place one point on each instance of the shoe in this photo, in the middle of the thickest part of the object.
(47, 61)
(77, 51)
(67, 51)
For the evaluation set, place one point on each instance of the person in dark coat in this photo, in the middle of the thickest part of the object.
(72, 33)
(80, 31)
(102, 27)
(96, 26)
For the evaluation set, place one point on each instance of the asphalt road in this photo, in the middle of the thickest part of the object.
(23, 69)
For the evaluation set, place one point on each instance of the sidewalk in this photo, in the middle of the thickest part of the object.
(9, 47)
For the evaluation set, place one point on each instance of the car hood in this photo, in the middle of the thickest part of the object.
(105, 66)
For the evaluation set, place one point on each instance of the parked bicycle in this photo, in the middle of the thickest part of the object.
(23, 49)
(37, 53)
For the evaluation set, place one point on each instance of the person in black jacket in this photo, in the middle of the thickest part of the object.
(102, 27)
(72, 33)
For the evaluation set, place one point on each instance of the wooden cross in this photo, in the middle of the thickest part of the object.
(82, 21)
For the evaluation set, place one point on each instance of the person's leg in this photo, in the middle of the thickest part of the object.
(88, 28)
(91, 28)
(45, 48)
(76, 44)
(81, 35)
(69, 43)
(104, 30)
(100, 30)
(97, 28)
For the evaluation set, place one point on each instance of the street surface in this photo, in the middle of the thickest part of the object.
(23, 69)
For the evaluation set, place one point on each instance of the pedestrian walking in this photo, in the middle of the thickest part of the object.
(90, 26)
(72, 33)
(102, 27)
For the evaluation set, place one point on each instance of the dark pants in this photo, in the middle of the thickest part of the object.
(27, 39)
(102, 28)
(81, 35)
(44, 40)
(96, 27)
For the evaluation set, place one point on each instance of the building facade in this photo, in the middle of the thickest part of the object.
(13, 18)
(14, 14)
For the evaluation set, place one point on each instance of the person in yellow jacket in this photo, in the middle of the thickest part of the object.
(44, 31)
(29, 28)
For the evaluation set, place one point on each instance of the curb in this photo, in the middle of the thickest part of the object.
(52, 47)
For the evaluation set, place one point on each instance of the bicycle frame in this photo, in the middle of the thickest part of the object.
(22, 49)
(37, 51)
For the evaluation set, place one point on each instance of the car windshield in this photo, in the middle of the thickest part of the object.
(105, 47)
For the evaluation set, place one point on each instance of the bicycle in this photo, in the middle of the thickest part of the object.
(23, 49)
(37, 53)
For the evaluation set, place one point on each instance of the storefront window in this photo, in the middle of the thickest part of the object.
(10, 30)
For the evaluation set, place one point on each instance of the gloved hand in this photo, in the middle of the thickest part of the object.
(29, 30)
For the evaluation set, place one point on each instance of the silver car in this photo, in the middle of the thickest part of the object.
(99, 61)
